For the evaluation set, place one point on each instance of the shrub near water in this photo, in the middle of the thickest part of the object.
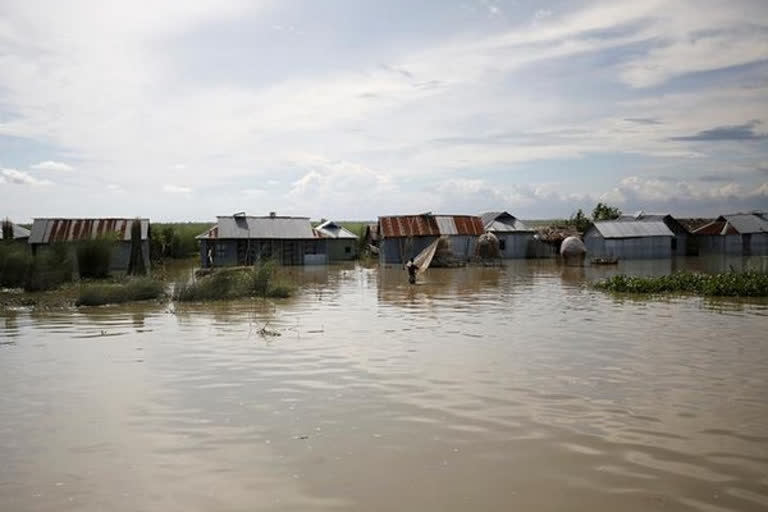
(94, 257)
(234, 283)
(19, 269)
(728, 284)
(117, 293)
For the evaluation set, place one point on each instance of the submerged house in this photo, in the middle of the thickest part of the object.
(19, 234)
(629, 240)
(739, 234)
(682, 243)
(46, 232)
(341, 243)
(403, 237)
(515, 238)
(244, 240)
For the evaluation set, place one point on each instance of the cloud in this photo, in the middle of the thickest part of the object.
(50, 165)
(17, 177)
(739, 132)
(715, 178)
(643, 120)
(637, 188)
(115, 188)
(175, 189)
(180, 167)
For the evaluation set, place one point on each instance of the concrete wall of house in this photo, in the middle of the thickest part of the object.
(641, 248)
(341, 249)
(514, 245)
(228, 253)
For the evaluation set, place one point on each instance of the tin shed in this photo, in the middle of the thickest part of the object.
(629, 240)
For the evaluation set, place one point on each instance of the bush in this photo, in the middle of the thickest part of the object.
(226, 284)
(94, 257)
(131, 290)
(50, 268)
(728, 284)
(15, 262)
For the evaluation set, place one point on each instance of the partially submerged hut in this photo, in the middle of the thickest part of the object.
(404, 236)
(681, 245)
(740, 234)
(629, 240)
(46, 232)
(245, 240)
(341, 243)
(18, 233)
(515, 238)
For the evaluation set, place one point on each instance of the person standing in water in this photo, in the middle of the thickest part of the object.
(412, 269)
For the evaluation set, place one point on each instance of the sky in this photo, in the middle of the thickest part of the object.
(351, 109)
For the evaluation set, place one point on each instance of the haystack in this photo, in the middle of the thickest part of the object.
(487, 247)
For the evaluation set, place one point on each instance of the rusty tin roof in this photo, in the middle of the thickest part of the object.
(430, 225)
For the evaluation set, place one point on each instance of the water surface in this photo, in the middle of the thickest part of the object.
(477, 389)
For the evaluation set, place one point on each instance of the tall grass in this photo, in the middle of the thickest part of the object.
(223, 284)
(98, 294)
(20, 269)
(727, 284)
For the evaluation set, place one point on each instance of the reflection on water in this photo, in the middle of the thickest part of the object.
(477, 389)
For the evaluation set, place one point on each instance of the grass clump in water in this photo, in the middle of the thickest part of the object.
(224, 284)
(98, 294)
(727, 284)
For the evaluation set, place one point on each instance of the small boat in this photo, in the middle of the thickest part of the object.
(605, 261)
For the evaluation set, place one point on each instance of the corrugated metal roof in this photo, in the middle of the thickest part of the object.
(619, 229)
(718, 227)
(642, 216)
(746, 223)
(503, 222)
(46, 231)
(330, 229)
(264, 228)
(18, 232)
(430, 225)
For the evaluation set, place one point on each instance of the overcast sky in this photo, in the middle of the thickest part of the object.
(349, 109)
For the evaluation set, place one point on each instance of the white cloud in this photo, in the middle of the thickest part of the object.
(16, 177)
(180, 167)
(115, 187)
(637, 188)
(50, 165)
(175, 189)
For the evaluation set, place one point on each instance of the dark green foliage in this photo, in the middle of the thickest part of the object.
(728, 284)
(15, 262)
(175, 241)
(131, 290)
(94, 257)
(19, 269)
(579, 221)
(50, 268)
(7, 230)
(224, 284)
(605, 212)
(136, 262)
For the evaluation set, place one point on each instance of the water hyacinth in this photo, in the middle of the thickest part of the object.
(727, 284)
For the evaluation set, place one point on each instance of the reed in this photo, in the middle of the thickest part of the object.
(99, 294)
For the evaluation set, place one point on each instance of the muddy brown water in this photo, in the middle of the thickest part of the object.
(515, 388)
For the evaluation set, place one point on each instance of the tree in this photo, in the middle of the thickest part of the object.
(579, 221)
(136, 265)
(605, 212)
(7, 230)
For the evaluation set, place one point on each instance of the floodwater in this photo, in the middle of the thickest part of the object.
(515, 388)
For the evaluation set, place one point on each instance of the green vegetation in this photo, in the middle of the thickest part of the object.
(223, 284)
(99, 294)
(579, 221)
(175, 240)
(605, 212)
(136, 265)
(7, 233)
(48, 270)
(94, 257)
(727, 284)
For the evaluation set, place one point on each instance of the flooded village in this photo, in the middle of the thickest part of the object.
(502, 377)
(354, 255)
